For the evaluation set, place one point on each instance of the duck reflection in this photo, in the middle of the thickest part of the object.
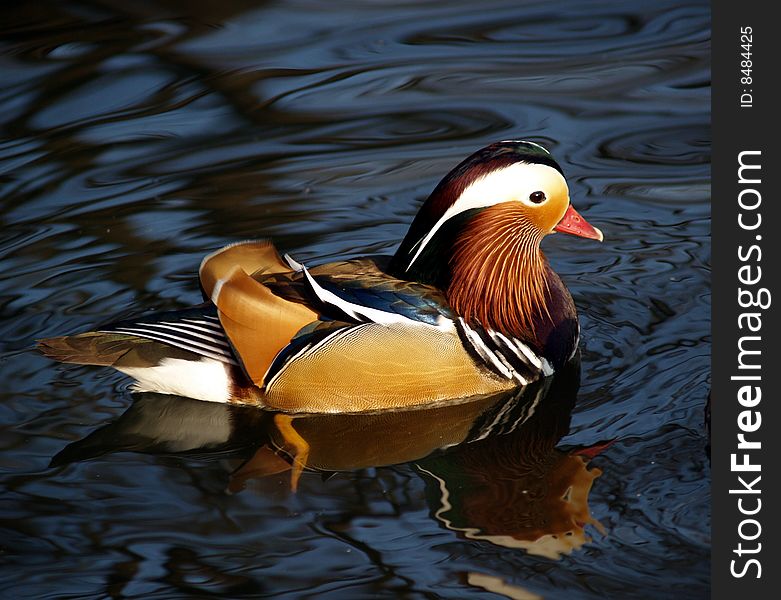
(491, 466)
(511, 485)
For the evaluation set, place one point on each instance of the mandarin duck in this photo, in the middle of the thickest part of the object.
(468, 305)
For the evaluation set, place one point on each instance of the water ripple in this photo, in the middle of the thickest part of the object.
(134, 139)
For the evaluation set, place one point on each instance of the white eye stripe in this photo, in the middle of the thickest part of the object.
(514, 182)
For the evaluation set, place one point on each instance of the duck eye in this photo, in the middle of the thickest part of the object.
(537, 197)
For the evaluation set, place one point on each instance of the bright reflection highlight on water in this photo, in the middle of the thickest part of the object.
(135, 138)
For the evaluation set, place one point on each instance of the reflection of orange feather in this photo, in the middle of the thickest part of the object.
(348, 442)
(499, 272)
(264, 462)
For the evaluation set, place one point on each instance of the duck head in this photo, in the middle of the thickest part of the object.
(477, 237)
(518, 183)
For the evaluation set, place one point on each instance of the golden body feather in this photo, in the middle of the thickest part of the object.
(372, 366)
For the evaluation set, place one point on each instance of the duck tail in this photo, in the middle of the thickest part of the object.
(155, 366)
(92, 348)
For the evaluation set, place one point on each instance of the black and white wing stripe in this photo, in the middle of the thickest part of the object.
(201, 334)
(305, 345)
(374, 297)
(504, 355)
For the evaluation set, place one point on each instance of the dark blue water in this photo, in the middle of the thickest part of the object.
(135, 138)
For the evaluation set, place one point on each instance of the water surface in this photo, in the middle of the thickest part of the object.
(135, 138)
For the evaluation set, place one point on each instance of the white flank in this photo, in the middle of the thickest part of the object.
(513, 183)
(205, 379)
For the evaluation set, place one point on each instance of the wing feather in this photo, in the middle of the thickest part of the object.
(257, 322)
(196, 330)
